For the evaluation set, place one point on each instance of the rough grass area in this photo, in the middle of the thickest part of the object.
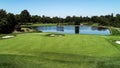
(115, 31)
(37, 50)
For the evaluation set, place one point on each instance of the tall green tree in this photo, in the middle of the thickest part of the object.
(3, 14)
(17, 18)
(3, 20)
(11, 21)
(35, 19)
(7, 22)
(25, 17)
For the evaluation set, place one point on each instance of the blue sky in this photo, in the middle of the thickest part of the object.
(62, 8)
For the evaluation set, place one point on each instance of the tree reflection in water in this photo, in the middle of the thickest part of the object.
(99, 28)
(60, 28)
(76, 29)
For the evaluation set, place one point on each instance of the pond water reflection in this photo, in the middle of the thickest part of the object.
(83, 29)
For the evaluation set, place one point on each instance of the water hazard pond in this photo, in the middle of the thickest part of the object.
(83, 29)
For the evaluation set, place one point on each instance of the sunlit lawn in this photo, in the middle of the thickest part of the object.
(36, 50)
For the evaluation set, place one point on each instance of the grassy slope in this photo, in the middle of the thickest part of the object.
(33, 50)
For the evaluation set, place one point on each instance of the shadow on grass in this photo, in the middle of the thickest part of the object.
(96, 62)
(17, 61)
(45, 59)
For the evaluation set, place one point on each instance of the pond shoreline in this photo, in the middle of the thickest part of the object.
(75, 29)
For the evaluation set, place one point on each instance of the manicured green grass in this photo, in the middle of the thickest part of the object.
(43, 24)
(35, 25)
(38, 50)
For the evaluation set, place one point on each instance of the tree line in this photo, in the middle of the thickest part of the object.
(9, 21)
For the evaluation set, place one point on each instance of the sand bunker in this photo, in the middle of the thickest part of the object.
(4, 37)
(55, 35)
(118, 42)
